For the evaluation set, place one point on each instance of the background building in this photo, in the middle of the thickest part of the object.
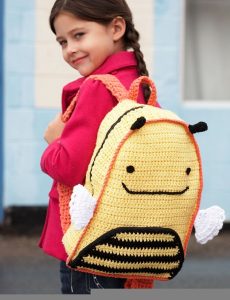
(186, 44)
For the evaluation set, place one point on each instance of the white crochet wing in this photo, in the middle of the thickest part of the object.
(81, 207)
(208, 223)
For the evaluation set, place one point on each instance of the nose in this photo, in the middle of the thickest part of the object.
(71, 48)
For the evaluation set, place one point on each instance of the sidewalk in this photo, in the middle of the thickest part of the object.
(25, 269)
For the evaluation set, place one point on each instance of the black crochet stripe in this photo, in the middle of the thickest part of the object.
(142, 244)
(150, 271)
(110, 238)
(133, 259)
(107, 134)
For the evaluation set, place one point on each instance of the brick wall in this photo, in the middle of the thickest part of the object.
(51, 72)
(168, 73)
(23, 123)
(34, 75)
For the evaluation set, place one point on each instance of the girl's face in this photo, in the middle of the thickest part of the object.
(86, 45)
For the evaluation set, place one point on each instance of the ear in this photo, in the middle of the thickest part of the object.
(118, 28)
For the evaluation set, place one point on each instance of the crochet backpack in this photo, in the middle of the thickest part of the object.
(134, 216)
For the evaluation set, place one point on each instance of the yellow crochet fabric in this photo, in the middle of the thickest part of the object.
(146, 176)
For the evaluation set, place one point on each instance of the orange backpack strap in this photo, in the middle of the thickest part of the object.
(119, 92)
(67, 114)
(113, 84)
(134, 89)
(64, 193)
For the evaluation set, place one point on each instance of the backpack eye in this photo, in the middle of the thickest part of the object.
(188, 170)
(130, 169)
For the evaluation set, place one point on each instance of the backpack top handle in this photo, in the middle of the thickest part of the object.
(134, 89)
(117, 89)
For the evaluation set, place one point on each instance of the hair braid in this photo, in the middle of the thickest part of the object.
(132, 41)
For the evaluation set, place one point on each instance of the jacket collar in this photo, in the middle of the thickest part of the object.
(117, 61)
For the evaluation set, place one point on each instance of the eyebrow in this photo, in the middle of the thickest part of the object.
(71, 31)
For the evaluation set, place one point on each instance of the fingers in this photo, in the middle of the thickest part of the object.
(54, 129)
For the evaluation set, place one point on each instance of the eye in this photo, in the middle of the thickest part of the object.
(188, 170)
(79, 35)
(130, 169)
(62, 43)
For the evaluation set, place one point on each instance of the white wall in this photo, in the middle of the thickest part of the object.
(51, 72)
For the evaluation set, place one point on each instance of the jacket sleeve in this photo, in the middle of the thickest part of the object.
(67, 158)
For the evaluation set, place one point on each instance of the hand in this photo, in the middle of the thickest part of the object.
(54, 129)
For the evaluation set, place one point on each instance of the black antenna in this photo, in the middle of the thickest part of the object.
(198, 127)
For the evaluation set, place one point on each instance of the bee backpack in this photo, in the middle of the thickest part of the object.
(134, 216)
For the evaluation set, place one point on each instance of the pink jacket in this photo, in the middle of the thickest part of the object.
(67, 158)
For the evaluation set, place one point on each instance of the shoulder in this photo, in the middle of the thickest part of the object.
(94, 101)
(72, 86)
(94, 89)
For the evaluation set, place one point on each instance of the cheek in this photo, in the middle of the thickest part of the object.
(64, 55)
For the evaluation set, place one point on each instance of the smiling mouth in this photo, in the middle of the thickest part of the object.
(78, 60)
(154, 192)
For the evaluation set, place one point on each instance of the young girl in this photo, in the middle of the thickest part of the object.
(94, 37)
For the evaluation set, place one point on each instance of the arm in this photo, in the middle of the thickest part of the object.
(66, 159)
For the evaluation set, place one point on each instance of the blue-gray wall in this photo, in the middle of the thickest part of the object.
(1, 108)
(24, 123)
(214, 144)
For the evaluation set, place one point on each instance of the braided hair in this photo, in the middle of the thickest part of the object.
(132, 41)
(103, 12)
